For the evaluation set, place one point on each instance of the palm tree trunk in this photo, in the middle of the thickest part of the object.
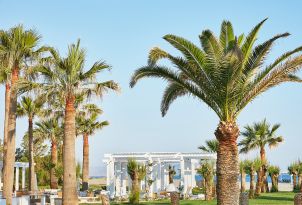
(32, 181)
(85, 159)
(259, 182)
(8, 175)
(227, 164)
(135, 195)
(69, 176)
(54, 160)
(7, 100)
(263, 172)
(294, 181)
(208, 191)
(243, 176)
(251, 192)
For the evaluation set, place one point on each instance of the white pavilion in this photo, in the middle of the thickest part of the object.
(118, 180)
(18, 166)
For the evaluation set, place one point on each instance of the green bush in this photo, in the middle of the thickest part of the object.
(197, 190)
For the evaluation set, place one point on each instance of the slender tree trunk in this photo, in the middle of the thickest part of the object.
(8, 175)
(85, 159)
(32, 180)
(69, 176)
(299, 181)
(227, 164)
(7, 100)
(263, 172)
(209, 189)
(251, 192)
(243, 176)
(54, 160)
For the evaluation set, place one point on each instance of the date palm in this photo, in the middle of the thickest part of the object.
(30, 108)
(274, 172)
(18, 47)
(226, 73)
(87, 125)
(210, 146)
(52, 130)
(258, 136)
(65, 78)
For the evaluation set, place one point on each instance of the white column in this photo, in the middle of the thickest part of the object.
(182, 175)
(162, 176)
(152, 177)
(17, 179)
(110, 178)
(118, 179)
(124, 178)
(158, 177)
(193, 173)
(23, 177)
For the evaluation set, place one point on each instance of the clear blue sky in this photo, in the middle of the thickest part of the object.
(122, 32)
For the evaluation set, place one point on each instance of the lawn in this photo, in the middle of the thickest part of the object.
(284, 198)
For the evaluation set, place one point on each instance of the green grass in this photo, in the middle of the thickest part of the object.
(284, 198)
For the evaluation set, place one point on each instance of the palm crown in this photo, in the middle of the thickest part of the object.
(65, 77)
(226, 72)
(259, 135)
(30, 107)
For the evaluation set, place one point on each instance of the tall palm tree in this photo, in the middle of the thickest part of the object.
(226, 73)
(87, 125)
(30, 108)
(65, 78)
(52, 130)
(18, 46)
(258, 136)
(211, 146)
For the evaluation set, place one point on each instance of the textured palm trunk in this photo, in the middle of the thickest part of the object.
(264, 184)
(209, 189)
(7, 100)
(134, 199)
(243, 176)
(32, 180)
(294, 181)
(54, 160)
(69, 176)
(251, 192)
(227, 164)
(259, 182)
(85, 159)
(8, 172)
(299, 181)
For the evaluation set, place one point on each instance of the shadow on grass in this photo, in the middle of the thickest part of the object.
(276, 198)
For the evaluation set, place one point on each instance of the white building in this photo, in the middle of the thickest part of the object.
(19, 166)
(118, 180)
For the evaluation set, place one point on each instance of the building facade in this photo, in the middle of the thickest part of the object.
(157, 163)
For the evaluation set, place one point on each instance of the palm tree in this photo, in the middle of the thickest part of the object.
(137, 172)
(293, 170)
(65, 78)
(258, 136)
(210, 147)
(274, 172)
(226, 74)
(17, 47)
(207, 172)
(259, 165)
(30, 108)
(51, 129)
(242, 168)
(250, 170)
(87, 125)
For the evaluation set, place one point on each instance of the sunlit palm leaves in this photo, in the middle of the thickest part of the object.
(226, 72)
